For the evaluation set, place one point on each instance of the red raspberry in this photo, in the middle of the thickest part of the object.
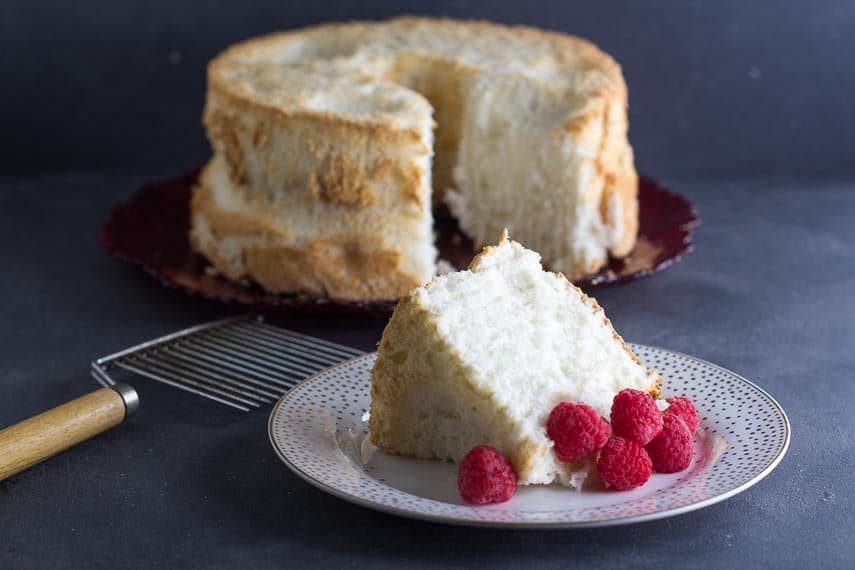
(485, 476)
(624, 464)
(671, 451)
(577, 430)
(683, 407)
(635, 416)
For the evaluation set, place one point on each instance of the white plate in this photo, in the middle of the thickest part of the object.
(319, 431)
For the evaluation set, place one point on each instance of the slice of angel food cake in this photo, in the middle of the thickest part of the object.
(491, 357)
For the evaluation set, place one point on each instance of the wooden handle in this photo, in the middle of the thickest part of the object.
(33, 440)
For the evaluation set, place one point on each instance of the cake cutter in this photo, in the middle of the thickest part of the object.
(240, 362)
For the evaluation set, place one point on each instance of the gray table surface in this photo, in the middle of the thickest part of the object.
(768, 294)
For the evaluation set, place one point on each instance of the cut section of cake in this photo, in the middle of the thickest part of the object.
(481, 357)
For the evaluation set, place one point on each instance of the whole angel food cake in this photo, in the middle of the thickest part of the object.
(481, 356)
(332, 144)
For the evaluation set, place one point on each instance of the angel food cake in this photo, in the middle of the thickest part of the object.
(480, 357)
(332, 144)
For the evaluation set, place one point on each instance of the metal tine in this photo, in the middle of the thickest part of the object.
(219, 358)
(263, 328)
(179, 363)
(201, 361)
(149, 345)
(311, 342)
(241, 362)
(266, 348)
(181, 386)
(225, 363)
(98, 378)
(243, 399)
(287, 345)
(273, 357)
(101, 376)
(238, 387)
(248, 360)
(336, 350)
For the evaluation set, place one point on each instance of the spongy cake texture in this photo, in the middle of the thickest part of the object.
(326, 163)
(482, 356)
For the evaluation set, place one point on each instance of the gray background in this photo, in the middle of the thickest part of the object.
(186, 484)
(744, 107)
(721, 87)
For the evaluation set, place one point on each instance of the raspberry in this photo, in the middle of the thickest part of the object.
(577, 430)
(671, 451)
(485, 476)
(683, 407)
(624, 464)
(635, 416)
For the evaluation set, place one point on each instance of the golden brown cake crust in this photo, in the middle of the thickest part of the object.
(614, 159)
(339, 181)
(386, 394)
(335, 266)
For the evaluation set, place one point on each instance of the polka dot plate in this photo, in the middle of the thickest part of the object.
(319, 429)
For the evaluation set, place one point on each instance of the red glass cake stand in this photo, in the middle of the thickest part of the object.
(151, 231)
